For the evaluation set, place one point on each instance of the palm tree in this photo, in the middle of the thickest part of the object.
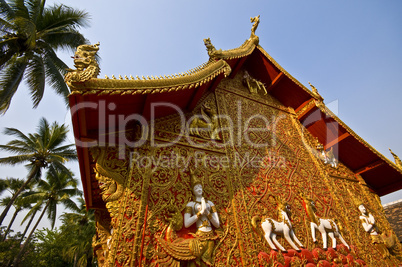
(79, 228)
(13, 185)
(30, 35)
(19, 205)
(31, 215)
(43, 149)
(58, 188)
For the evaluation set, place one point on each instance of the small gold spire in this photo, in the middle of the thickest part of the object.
(398, 161)
(113, 77)
(315, 92)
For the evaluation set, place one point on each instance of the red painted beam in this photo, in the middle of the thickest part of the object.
(275, 81)
(336, 141)
(370, 167)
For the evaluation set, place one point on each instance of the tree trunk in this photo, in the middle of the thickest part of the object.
(89, 261)
(29, 224)
(10, 224)
(19, 256)
(5, 211)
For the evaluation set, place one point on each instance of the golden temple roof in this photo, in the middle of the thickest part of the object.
(283, 86)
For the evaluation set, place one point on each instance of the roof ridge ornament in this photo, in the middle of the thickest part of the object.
(86, 65)
(253, 36)
(398, 161)
(315, 93)
(213, 53)
(244, 50)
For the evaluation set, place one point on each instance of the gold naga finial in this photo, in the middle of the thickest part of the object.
(253, 36)
(398, 161)
(315, 92)
(85, 63)
(256, 21)
(213, 53)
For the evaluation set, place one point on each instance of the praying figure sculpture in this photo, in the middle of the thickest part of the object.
(203, 213)
(197, 248)
(369, 225)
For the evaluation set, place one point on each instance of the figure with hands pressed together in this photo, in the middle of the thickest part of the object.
(369, 225)
(204, 214)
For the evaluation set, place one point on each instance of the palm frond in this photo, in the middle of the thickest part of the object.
(19, 8)
(6, 10)
(63, 16)
(10, 80)
(66, 40)
(16, 149)
(67, 149)
(69, 204)
(5, 201)
(14, 160)
(55, 79)
(58, 134)
(32, 211)
(35, 77)
(60, 167)
(18, 134)
(21, 147)
(34, 9)
(43, 129)
(51, 55)
(6, 55)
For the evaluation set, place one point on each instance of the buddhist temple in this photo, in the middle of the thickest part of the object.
(232, 163)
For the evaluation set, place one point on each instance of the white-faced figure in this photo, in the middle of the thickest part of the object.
(204, 214)
(369, 225)
(368, 221)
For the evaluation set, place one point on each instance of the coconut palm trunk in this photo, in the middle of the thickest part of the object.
(31, 175)
(18, 258)
(11, 223)
(28, 225)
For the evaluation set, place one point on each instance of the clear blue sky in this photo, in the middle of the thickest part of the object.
(349, 50)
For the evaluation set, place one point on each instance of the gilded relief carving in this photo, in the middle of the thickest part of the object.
(206, 124)
(253, 85)
(159, 216)
(199, 248)
(327, 157)
(327, 227)
(282, 227)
